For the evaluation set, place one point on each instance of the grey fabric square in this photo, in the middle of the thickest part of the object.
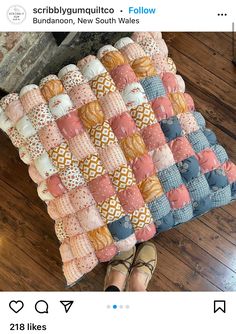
(170, 178)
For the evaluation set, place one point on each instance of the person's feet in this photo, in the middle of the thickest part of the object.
(118, 269)
(143, 267)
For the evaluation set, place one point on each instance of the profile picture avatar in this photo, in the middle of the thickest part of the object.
(16, 14)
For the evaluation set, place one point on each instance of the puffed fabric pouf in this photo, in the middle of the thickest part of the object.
(118, 151)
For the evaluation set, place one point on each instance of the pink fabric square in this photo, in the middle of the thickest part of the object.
(145, 233)
(34, 147)
(101, 188)
(131, 199)
(66, 252)
(126, 244)
(52, 210)
(81, 95)
(64, 206)
(178, 197)
(207, 160)
(162, 157)
(112, 104)
(188, 122)
(81, 198)
(160, 63)
(81, 245)
(112, 157)
(123, 125)
(189, 102)
(143, 167)
(72, 225)
(230, 171)
(107, 253)
(162, 108)
(71, 272)
(71, 177)
(14, 111)
(122, 76)
(87, 263)
(70, 125)
(55, 185)
(132, 51)
(153, 136)
(170, 83)
(16, 139)
(34, 174)
(89, 218)
(181, 148)
(81, 146)
(50, 136)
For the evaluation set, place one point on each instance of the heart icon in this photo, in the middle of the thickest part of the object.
(16, 305)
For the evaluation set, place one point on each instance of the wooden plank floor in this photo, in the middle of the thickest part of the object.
(197, 256)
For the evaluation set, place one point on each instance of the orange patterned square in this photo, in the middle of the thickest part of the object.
(122, 178)
(133, 146)
(102, 135)
(91, 167)
(62, 157)
(178, 103)
(100, 238)
(143, 115)
(102, 85)
(150, 188)
(111, 209)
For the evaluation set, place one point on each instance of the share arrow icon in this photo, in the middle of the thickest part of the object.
(67, 304)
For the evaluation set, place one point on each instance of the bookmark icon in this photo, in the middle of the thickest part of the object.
(67, 304)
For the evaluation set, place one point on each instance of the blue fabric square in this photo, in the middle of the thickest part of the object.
(121, 229)
(211, 137)
(184, 214)
(170, 178)
(221, 197)
(198, 141)
(220, 153)
(201, 206)
(189, 168)
(153, 87)
(171, 128)
(166, 223)
(159, 207)
(199, 119)
(216, 179)
(233, 190)
(198, 188)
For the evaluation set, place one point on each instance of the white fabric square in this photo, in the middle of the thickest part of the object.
(25, 127)
(92, 69)
(24, 155)
(44, 193)
(5, 122)
(123, 42)
(134, 95)
(45, 166)
(60, 105)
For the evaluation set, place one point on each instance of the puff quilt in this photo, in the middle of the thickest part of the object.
(117, 150)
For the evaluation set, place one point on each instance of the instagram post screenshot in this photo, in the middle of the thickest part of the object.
(117, 166)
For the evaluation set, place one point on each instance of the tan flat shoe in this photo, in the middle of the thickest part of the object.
(144, 264)
(122, 263)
